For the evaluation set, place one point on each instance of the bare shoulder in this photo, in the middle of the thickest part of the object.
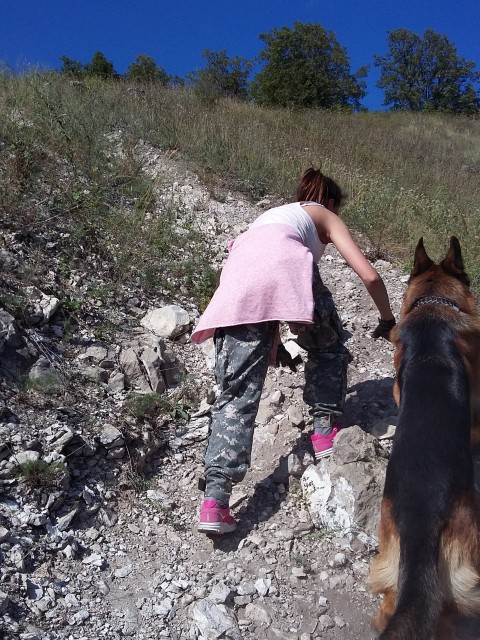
(323, 219)
(313, 210)
(318, 213)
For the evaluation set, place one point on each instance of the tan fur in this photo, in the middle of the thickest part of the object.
(384, 572)
(460, 557)
(383, 576)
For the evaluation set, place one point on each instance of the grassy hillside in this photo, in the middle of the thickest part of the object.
(406, 175)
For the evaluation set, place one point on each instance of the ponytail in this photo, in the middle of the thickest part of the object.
(315, 187)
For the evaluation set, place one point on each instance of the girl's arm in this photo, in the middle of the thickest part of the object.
(333, 228)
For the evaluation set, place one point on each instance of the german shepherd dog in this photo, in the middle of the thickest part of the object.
(428, 566)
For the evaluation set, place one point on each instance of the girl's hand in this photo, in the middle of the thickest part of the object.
(383, 329)
(284, 358)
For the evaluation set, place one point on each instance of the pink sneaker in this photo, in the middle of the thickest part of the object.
(214, 519)
(323, 445)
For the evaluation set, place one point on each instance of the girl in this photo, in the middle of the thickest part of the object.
(271, 275)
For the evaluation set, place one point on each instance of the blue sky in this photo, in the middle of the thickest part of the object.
(38, 32)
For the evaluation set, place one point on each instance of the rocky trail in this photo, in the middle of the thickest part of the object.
(102, 543)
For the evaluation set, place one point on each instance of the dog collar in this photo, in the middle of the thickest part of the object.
(435, 300)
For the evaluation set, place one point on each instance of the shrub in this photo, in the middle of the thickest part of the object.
(41, 474)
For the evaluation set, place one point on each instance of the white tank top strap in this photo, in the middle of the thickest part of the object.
(294, 216)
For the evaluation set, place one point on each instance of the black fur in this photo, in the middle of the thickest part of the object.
(430, 465)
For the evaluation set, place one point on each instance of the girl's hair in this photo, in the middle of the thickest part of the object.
(315, 187)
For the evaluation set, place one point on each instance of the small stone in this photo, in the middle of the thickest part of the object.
(337, 582)
(246, 589)
(264, 415)
(339, 622)
(110, 436)
(295, 416)
(116, 383)
(258, 614)
(26, 456)
(123, 572)
(339, 560)
(303, 528)
(326, 622)
(164, 608)
(130, 626)
(276, 397)
(299, 572)
(358, 546)
(212, 620)
(220, 593)
(103, 587)
(133, 528)
(64, 522)
(94, 559)
(262, 585)
(295, 467)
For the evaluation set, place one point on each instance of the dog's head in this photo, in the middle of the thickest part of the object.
(446, 280)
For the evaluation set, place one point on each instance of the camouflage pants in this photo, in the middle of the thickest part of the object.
(242, 358)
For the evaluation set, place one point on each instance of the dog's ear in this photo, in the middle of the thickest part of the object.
(421, 262)
(453, 262)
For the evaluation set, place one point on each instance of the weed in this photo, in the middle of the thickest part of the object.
(316, 536)
(179, 412)
(14, 303)
(41, 474)
(151, 405)
(189, 391)
(168, 516)
(406, 174)
(69, 303)
(201, 279)
(48, 384)
(104, 331)
(137, 482)
(303, 562)
(99, 291)
(147, 405)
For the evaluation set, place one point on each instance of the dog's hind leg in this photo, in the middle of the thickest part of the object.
(386, 610)
(383, 576)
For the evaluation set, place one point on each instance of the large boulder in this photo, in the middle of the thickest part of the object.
(343, 492)
(166, 322)
(147, 366)
(42, 307)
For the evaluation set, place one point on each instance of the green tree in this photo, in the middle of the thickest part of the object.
(222, 76)
(306, 67)
(72, 67)
(100, 67)
(426, 73)
(145, 69)
(176, 81)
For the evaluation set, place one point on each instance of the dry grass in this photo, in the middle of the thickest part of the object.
(406, 175)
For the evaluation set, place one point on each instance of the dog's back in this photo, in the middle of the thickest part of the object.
(429, 469)
(428, 537)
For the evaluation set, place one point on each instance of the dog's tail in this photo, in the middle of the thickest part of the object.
(419, 598)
